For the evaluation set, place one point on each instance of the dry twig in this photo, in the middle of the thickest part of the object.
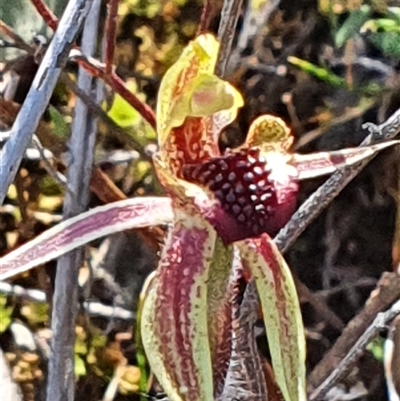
(378, 324)
(41, 90)
(18, 41)
(92, 308)
(45, 12)
(206, 15)
(324, 195)
(226, 32)
(100, 70)
(111, 28)
(61, 377)
(386, 293)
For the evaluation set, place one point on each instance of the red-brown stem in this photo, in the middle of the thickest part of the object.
(45, 12)
(111, 27)
(113, 80)
(144, 110)
(205, 17)
(118, 85)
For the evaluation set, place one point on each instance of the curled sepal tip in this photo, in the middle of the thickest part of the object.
(281, 312)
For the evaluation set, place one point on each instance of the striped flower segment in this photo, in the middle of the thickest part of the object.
(281, 311)
(322, 163)
(86, 227)
(174, 317)
(216, 203)
(193, 106)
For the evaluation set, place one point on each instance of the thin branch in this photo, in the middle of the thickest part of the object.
(255, 20)
(49, 18)
(111, 27)
(102, 186)
(341, 370)
(18, 41)
(94, 108)
(100, 70)
(226, 33)
(92, 308)
(57, 176)
(386, 293)
(324, 195)
(319, 305)
(61, 378)
(97, 70)
(206, 16)
(118, 85)
(40, 92)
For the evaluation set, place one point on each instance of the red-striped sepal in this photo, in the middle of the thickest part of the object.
(281, 312)
(176, 317)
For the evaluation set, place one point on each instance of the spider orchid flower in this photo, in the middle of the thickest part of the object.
(222, 209)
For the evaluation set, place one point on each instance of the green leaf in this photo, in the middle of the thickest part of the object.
(36, 313)
(61, 128)
(381, 25)
(375, 347)
(387, 42)
(5, 314)
(121, 112)
(79, 367)
(318, 72)
(352, 25)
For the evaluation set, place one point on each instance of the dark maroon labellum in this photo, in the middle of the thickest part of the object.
(256, 191)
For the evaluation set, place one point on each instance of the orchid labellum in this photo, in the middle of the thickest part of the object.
(222, 208)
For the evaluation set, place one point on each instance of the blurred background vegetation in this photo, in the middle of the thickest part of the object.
(325, 67)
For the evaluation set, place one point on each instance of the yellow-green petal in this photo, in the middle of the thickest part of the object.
(281, 311)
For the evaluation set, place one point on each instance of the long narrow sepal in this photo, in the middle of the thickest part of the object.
(281, 311)
(174, 316)
(86, 227)
(322, 163)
